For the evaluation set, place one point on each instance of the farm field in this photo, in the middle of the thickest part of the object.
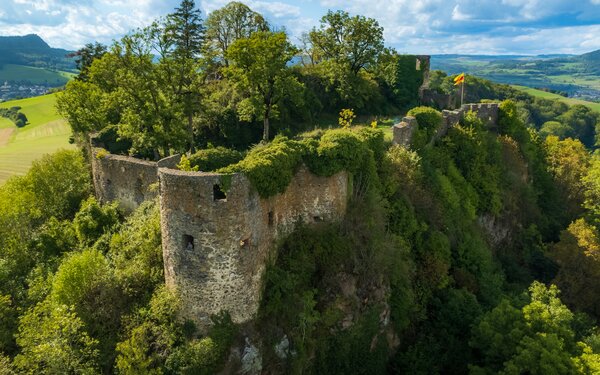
(549, 95)
(36, 76)
(45, 133)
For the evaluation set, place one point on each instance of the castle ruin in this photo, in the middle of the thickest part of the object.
(218, 234)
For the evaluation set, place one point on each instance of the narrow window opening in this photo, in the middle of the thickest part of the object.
(188, 242)
(271, 218)
(218, 193)
(245, 243)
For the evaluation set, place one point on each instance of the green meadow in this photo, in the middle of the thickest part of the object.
(549, 95)
(36, 76)
(45, 133)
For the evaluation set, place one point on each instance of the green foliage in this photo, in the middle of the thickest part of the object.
(400, 78)
(85, 56)
(92, 220)
(226, 25)
(109, 138)
(351, 42)
(259, 65)
(591, 183)
(537, 338)
(14, 115)
(135, 251)
(59, 182)
(152, 338)
(53, 341)
(361, 349)
(8, 320)
(206, 355)
(211, 159)
(270, 167)
(429, 120)
(337, 150)
(186, 165)
(578, 252)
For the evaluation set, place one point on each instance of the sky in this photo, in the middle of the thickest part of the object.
(528, 27)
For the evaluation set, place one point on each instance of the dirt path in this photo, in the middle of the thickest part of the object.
(5, 136)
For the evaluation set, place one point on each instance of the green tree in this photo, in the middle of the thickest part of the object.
(578, 255)
(226, 25)
(259, 64)
(568, 161)
(85, 56)
(353, 42)
(93, 220)
(184, 30)
(591, 183)
(53, 341)
(539, 338)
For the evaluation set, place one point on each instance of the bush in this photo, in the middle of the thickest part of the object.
(93, 220)
(270, 167)
(336, 151)
(428, 118)
(110, 139)
(211, 159)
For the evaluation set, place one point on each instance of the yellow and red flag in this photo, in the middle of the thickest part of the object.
(459, 79)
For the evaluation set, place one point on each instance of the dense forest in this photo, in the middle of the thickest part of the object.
(477, 253)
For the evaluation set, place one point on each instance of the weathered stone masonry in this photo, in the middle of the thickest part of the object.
(217, 233)
(216, 247)
(487, 112)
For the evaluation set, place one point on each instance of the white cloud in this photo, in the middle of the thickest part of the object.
(424, 26)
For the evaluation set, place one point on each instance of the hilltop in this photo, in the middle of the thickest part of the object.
(29, 67)
(32, 50)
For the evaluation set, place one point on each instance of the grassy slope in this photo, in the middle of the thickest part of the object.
(45, 133)
(17, 73)
(549, 95)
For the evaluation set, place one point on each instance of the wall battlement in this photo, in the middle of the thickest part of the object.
(487, 112)
(218, 234)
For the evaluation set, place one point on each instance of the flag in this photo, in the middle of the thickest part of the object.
(459, 79)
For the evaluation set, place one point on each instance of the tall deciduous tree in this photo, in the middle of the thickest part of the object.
(354, 42)
(226, 25)
(259, 65)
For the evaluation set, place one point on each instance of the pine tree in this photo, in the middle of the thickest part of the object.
(184, 30)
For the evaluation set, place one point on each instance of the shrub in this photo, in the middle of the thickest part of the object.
(428, 118)
(211, 159)
(337, 150)
(186, 165)
(270, 167)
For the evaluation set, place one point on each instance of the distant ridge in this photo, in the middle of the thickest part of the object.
(25, 42)
(32, 50)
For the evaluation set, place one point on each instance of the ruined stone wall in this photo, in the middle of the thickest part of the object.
(123, 179)
(216, 247)
(487, 112)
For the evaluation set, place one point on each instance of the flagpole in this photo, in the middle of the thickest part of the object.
(462, 92)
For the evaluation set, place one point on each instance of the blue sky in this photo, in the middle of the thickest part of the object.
(411, 26)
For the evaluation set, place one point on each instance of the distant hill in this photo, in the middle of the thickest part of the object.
(591, 61)
(575, 76)
(31, 50)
